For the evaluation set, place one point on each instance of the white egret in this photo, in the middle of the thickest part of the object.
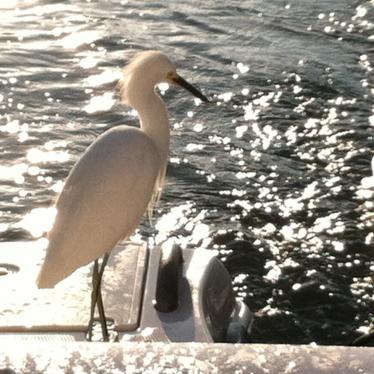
(116, 179)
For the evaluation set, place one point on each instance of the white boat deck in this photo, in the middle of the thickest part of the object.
(35, 326)
(66, 307)
(193, 358)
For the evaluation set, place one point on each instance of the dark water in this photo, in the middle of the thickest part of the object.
(269, 174)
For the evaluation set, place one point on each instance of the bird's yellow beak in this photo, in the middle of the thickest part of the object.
(175, 78)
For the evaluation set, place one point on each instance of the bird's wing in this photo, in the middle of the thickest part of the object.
(102, 201)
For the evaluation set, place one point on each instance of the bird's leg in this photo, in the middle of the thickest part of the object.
(103, 264)
(96, 299)
(95, 274)
(99, 300)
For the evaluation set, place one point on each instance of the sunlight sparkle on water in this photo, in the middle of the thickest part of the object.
(225, 96)
(291, 205)
(14, 172)
(245, 175)
(297, 89)
(105, 77)
(52, 144)
(240, 131)
(274, 273)
(242, 68)
(219, 140)
(365, 190)
(101, 103)
(360, 12)
(36, 156)
(185, 218)
(12, 127)
(199, 232)
(198, 127)
(38, 221)
(197, 101)
(171, 221)
(338, 246)
(244, 204)
(250, 113)
(266, 135)
(78, 39)
(310, 190)
(88, 62)
(263, 101)
(368, 182)
(323, 224)
(293, 232)
(245, 91)
(57, 187)
(191, 147)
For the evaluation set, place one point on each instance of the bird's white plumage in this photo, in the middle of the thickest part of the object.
(118, 176)
(111, 186)
(102, 201)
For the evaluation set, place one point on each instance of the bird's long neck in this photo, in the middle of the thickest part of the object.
(155, 123)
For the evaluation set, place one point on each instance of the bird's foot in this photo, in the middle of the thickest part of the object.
(96, 333)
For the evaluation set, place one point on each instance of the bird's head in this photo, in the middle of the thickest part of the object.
(145, 71)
